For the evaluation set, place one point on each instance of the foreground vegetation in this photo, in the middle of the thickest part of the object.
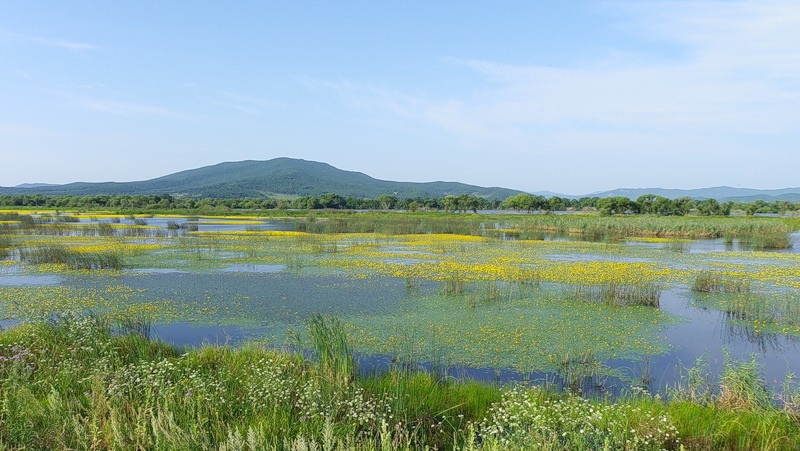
(79, 382)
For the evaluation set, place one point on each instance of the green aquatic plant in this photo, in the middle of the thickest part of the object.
(75, 260)
(332, 348)
(743, 387)
(709, 282)
(453, 286)
(618, 295)
(695, 383)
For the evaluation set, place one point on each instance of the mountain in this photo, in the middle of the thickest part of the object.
(34, 185)
(279, 176)
(294, 177)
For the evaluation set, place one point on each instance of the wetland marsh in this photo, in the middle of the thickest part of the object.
(399, 331)
(483, 301)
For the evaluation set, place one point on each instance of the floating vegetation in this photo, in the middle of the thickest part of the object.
(760, 314)
(479, 292)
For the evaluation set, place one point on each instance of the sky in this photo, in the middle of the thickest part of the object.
(566, 96)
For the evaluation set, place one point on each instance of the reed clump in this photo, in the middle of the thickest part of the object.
(710, 282)
(578, 370)
(619, 295)
(492, 292)
(73, 260)
(453, 286)
(5, 246)
(332, 348)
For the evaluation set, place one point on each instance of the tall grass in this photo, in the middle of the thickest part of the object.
(618, 295)
(709, 282)
(492, 292)
(453, 286)
(332, 348)
(71, 383)
(579, 372)
(71, 259)
(5, 246)
(757, 233)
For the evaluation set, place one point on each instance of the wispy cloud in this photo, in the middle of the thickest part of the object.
(74, 46)
(128, 108)
(243, 103)
(740, 72)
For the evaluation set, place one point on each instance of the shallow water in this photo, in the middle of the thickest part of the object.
(701, 333)
(27, 280)
(234, 302)
(706, 333)
(184, 334)
(254, 268)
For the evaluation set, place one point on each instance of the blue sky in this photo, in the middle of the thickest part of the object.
(571, 97)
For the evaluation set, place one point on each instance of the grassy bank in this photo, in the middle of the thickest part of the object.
(83, 383)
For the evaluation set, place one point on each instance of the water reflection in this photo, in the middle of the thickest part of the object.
(734, 333)
(189, 334)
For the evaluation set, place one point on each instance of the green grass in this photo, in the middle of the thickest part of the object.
(70, 383)
(332, 349)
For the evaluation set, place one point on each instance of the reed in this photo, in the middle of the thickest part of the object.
(332, 348)
(71, 259)
(453, 286)
(618, 295)
(710, 282)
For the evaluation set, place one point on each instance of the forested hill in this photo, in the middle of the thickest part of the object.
(276, 177)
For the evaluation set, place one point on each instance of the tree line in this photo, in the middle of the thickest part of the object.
(460, 203)
(646, 204)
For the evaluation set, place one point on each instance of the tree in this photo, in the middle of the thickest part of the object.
(615, 205)
(523, 201)
(645, 202)
(331, 200)
(387, 201)
(556, 203)
(450, 203)
(682, 206)
(708, 207)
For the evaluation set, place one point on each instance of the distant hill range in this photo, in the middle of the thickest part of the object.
(276, 177)
(721, 193)
(289, 177)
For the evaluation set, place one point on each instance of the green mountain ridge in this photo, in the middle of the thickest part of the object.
(290, 177)
(279, 176)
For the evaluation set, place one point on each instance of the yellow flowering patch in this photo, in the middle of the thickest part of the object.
(246, 233)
